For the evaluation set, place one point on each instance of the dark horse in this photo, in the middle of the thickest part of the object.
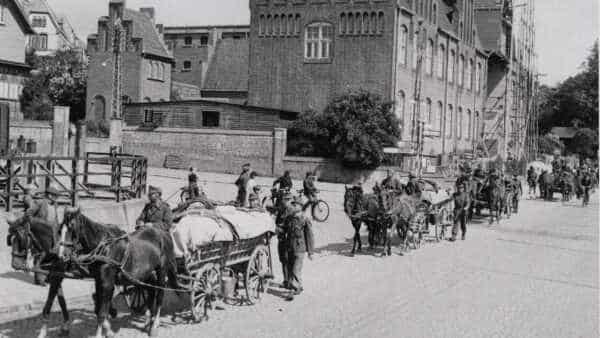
(144, 258)
(361, 208)
(494, 194)
(547, 185)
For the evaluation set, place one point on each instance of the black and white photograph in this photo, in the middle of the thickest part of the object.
(299, 168)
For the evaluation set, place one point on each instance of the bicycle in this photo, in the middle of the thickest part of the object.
(319, 208)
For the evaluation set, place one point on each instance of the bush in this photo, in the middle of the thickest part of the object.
(98, 128)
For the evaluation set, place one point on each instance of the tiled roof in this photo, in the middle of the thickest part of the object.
(144, 28)
(228, 69)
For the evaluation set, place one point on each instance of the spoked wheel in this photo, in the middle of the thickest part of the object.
(258, 272)
(136, 298)
(204, 290)
(320, 211)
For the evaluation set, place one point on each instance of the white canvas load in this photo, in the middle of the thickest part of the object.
(197, 230)
(247, 223)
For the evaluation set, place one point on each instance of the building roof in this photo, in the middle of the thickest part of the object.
(564, 132)
(60, 21)
(21, 17)
(144, 28)
(228, 68)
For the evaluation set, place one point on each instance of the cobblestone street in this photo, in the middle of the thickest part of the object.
(533, 275)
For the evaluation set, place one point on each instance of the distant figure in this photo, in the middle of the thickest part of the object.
(462, 202)
(310, 190)
(241, 184)
(193, 184)
(252, 187)
(390, 182)
(531, 181)
(413, 187)
(518, 192)
(284, 182)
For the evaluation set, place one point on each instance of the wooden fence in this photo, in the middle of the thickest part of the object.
(115, 176)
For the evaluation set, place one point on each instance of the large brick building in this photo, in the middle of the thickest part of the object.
(146, 61)
(303, 52)
(14, 29)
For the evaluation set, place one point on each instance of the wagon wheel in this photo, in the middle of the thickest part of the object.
(320, 211)
(257, 273)
(136, 298)
(204, 290)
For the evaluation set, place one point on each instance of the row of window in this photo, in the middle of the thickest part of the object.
(279, 25)
(361, 23)
(444, 65)
(38, 41)
(156, 71)
(10, 91)
(427, 9)
(466, 127)
(210, 119)
(38, 21)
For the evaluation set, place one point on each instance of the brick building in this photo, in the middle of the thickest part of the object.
(212, 58)
(508, 35)
(303, 52)
(14, 29)
(146, 61)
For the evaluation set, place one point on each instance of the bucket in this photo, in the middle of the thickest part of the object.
(228, 284)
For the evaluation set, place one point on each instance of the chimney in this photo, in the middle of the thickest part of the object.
(148, 11)
(115, 9)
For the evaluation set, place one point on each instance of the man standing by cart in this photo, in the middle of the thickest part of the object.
(461, 206)
(241, 184)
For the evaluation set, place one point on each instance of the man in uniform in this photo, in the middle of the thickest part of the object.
(282, 214)
(310, 190)
(156, 213)
(299, 242)
(241, 183)
(462, 202)
(193, 184)
(517, 192)
(283, 183)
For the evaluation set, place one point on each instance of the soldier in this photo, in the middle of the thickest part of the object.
(156, 213)
(299, 242)
(462, 202)
(517, 192)
(241, 183)
(282, 213)
(193, 184)
(310, 190)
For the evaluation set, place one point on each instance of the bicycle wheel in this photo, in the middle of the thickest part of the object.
(320, 211)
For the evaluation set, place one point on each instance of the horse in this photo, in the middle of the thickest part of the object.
(494, 195)
(567, 184)
(547, 185)
(361, 208)
(144, 258)
(404, 216)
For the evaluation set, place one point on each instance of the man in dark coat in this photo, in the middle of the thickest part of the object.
(517, 192)
(285, 184)
(282, 213)
(241, 184)
(308, 185)
(156, 212)
(299, 242)
(462, 202)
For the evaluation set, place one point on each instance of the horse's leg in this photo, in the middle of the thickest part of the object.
(354, 238)
(65, 327)
(152, 305)
(157, 304)
(52, 292)
(104, 295)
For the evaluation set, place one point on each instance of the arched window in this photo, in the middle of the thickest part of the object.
(478, 77)
(451, 65)
(400, 109)
(365, 22)
(441, 57)
(147, 99)
(429, 113)
(459, 123)
(434, 13)
(99, 107)
(275, 25)
(429, 57)
(476, 126)
(461, 70)
(284, 31)
(261, 25)
(381, 23)
(269, 28)
(350, 23)
(297, 25)
(449, 121)
(318, 38)
(373, 23)
(469, 75)
(469, 124)
(343, 23)
(403, 44)
(415, 50)
(358, 25)
(290, 29)
(439, 116)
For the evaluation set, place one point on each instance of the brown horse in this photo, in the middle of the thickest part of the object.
(361, 209)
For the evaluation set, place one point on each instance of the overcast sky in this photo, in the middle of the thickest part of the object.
(566, 30)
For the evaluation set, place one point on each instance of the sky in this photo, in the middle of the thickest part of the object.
(566, 29)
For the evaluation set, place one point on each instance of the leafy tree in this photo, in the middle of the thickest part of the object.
(58, 79)
(354, 127)
(584, 143)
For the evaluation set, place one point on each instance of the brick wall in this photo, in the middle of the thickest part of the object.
(216, 150)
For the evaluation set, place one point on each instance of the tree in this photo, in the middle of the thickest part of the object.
(59, 80)
(584, 143)
(354, 127)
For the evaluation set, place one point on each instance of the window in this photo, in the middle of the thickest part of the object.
(318, 41)
(187, 66)
(429, 114)
(478, 77)
(100, 107)
(429, 57)
(284, 31)
(148, 116)
(438, 116)
(269, 28)
(2, 13)
(469, 75)
(403, 44)
(469, 124)
(400, 108)
(449, 121)
(451, 66)
(434, 14)
(187, 41)
(125, 99)
(366, 23)
(459, 123)
(39, 41)
(461, 70)
(275, 25)
(440, 61)
(38, 21)
(290, 23)
(261, 25)
(476, 126)
(373, 23)
(343, 23)
(358, 23)
(204, 40)
(210, 119)
(162, 71)
(297, 25)
(381, 23)
(350, 23)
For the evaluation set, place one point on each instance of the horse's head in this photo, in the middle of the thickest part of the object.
(69, 232)
(28, 235)
(352, 198)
